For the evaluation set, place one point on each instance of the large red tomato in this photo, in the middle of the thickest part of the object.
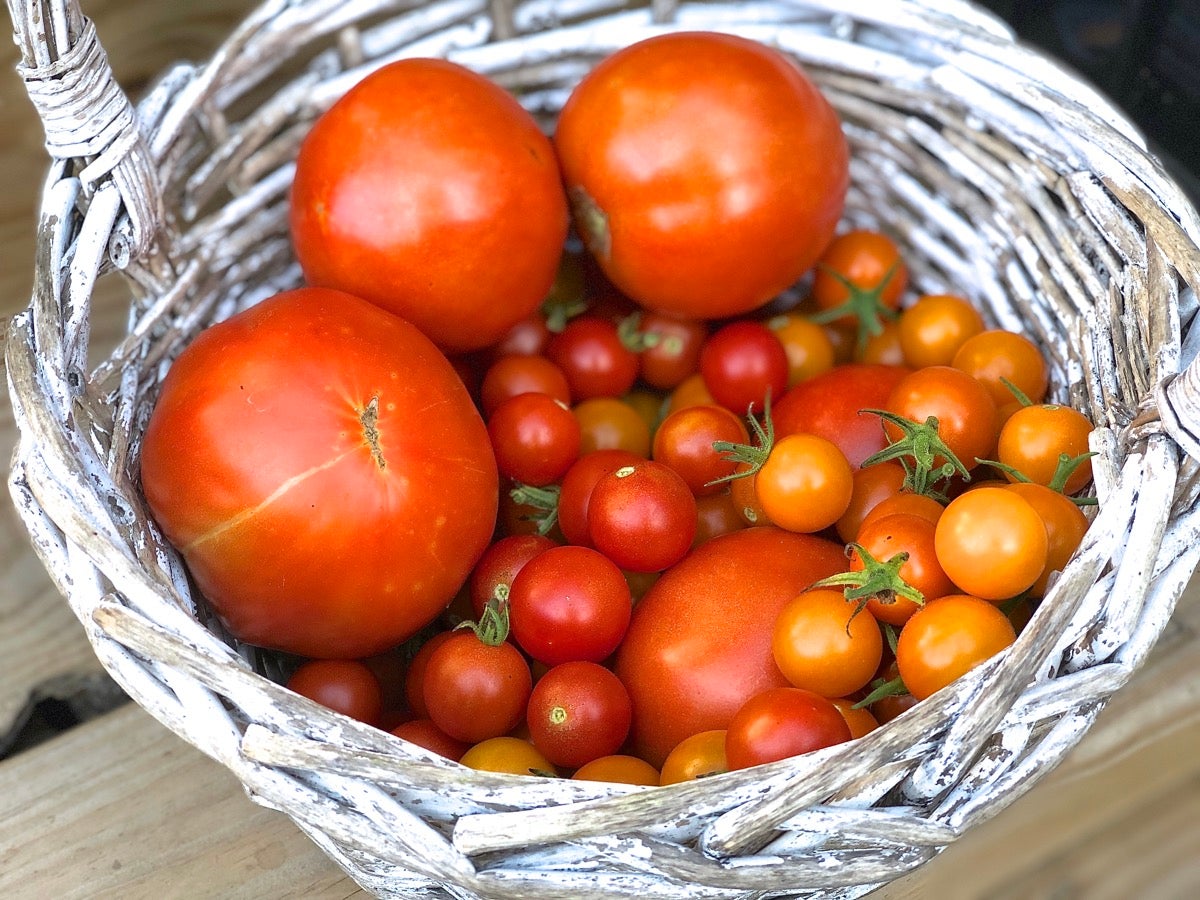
(699, 644)
(323, 472)
(706, 172)
(428, 190)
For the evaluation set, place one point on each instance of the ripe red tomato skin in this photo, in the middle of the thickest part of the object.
(782, 722)
(828, 405)
(642, 517)
(424, 733)
(741, 364)
(591, 355)
(569, 603)
(699, 643)
(578, 711)
(474, 690)
(494, 573)
(344, 685)
(535, 438)
(677, 239)
(576, 490)
(684, 441)
(259, 407)
(465, 236)
(675, 353)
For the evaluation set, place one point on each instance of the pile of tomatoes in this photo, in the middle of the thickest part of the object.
(609, 456)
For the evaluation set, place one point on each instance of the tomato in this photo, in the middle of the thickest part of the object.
(860, 719)
(592, 356)
(716, 514)
(618, 768)
(823, 643)
(642, 516)
(805, 484)
(493, 575)
(946, 639)
(607, 423)
(882, 349)
(476, 689)
(528, 510)
(996, 354)
(414, 678)
(689, 392)
(508, 755)
(743, 492)
(887, 708)
(935, 326)
(575, 494)
(872, 485)
(648, 404)
(699, 643)
(742, 364)
(829, 405)
(859, 280)
(1065, 527)
(670, 348)
(782, 722)
(424, 733)
(346, 686)
(807, 345)
(430, 191)
(515, 374)
(527, 337)
(578, 712)
(535, 438)
(702, 191)
(887, 536)
(905, 502)
(323, 472)
(1035, 437)
(991, 543)
(698, 756)
(569, 603)
(967, 422)
(684, 442)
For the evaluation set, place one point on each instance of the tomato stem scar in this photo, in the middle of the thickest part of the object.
(369, 418)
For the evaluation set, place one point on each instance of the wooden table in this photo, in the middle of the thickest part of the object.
(119, 807)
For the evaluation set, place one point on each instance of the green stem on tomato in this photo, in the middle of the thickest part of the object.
(751, 456)
(492, 627)
(918, 450)
(544, 502)
(1066, 466)
(878, 579)
(881, 689)
(864, 305)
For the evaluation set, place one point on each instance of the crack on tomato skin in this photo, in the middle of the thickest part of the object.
(369, 418)
(250, 513)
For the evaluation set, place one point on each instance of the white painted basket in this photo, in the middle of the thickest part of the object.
(999, 173)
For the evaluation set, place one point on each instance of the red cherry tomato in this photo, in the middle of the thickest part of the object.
(578, 712)
(493, 575)
(431, 191)
(684, 443)
(343, 685)
(535, 438)
(476, 690)
(515, 374)
(642, 517)
(424, 733)
(591, 354)
(670, 348)
(746, 198)
(742, 363)
(575, 492)
(782, 722)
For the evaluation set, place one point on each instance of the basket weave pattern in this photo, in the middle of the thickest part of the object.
(999, 174)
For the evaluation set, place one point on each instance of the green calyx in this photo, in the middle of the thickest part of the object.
(542, 500)
(921, 450)
(492, 627)
(1066, 467)
(864, 305)
(752, 456)
(878, 579)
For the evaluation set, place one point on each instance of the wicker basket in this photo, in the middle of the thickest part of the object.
(999, 173)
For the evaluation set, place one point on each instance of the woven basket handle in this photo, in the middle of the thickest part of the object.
(90, 123)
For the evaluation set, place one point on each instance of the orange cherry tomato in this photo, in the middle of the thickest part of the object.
(992, 543)
(1035, 437)
(618, 768)
(806, 483)
(935, 326)
(947, 638)
(996, 355)
(698, 756)
(607, 423)
(823, 643)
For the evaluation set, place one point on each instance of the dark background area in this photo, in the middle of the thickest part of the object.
(1144, 54)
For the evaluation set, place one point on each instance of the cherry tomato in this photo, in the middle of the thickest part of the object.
(743, 363)
(860, 719)
(414, 678)
(699, 644)
(697, 756)
(967, 422)
(642, 516)
(872, 485)
(508, 755)
(429, 190)
(689, 392)
(424, 733)
(346, 686)
(888, 708)
(991, 543)
(1034, 437)
(515, 374)
(829, 405)
(607, 423)
(905, 502)
(882, 349)
(476, 690)
(824, 644)
(716, 514)
(299, 455)
(535, 438)
(805, 484)
(578, 712)
(808, 346)
(998, 354)
(493, 575)
(887, 536)
(782, 722)
(946, 639)
(670, 348)
(569, 603)
(743, 492)
(592, 356)
(575, 493)
(703, 191)
(1065, 527)
(618, 768)
(933, 328)
(684, 442)
(862, 275)
(527, 337)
